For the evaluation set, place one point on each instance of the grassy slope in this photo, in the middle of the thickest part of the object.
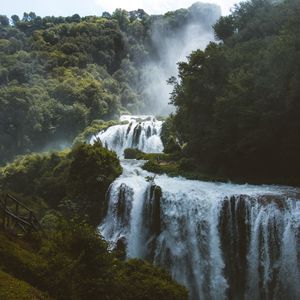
(17, 258)
(15, 289)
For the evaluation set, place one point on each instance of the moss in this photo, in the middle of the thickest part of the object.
(157, 157)
(131, 153)
(161, 167)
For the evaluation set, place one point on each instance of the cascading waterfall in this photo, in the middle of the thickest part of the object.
(223, 241)
(141, 132)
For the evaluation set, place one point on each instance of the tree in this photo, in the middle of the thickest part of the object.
(106, 15)
(91, 172)
(121, 16)
(4, 21)
(15, 19)
(237, 100)
(224, 28)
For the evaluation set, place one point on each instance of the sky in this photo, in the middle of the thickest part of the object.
(96, 7)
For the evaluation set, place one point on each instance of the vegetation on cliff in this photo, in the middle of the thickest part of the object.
(58, 74)
(73, 182)
(70, 260)
(238, 100)
(73, 263)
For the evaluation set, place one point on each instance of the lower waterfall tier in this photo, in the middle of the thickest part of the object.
(222, 241)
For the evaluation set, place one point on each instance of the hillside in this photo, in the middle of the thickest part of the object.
(73, 263)
(59, 74)
(14, 289)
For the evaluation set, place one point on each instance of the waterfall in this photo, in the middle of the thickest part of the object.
(140, 132)
(221, 240)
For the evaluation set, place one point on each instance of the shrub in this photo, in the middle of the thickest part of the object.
(131, 153)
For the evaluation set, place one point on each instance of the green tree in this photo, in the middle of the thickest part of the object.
(4, 21)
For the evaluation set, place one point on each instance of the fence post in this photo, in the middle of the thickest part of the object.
(4, 212)
(17, 209)
(11, 217)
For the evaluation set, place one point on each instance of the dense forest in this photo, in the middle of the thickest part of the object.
(238, 101)
(59, 74)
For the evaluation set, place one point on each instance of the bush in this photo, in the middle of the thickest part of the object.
(131, 153)
(187, 164)
(73, 181)
(172, 146)
(73, 263)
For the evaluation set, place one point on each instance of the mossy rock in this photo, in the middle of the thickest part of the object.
(131, 153)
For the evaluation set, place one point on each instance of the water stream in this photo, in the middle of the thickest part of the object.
(221, 240)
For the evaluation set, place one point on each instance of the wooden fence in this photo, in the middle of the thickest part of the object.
(15, 215)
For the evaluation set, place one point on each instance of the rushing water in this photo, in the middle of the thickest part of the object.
(223, 241)
(141, 132)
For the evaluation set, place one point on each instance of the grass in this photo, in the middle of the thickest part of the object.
(14, 289)
(19, 262)
(19, 259)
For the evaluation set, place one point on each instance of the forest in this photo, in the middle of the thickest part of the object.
(59, 74)
(238, 100)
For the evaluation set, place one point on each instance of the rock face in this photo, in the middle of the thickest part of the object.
(152, 219)
(253, 234)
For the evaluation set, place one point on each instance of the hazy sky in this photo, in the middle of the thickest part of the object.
(96, 7)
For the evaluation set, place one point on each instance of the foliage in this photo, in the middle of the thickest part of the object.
(74, 264)
(172, 145)
(169, 136)
(59, 74)
(91, 172)
(73, 182)
(161, 168)
(153, 283)
(14, 289)
(238, 101)
(131, 153)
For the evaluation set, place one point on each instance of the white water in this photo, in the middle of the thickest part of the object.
(141, 132)
(223, 241)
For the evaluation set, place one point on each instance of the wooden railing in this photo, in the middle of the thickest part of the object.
(15, 215)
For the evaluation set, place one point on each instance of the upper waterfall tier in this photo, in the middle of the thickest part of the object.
(141, 132)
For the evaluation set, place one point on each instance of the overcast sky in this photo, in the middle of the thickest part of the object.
(96, 7)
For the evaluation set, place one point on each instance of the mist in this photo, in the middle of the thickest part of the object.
(172, 48)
